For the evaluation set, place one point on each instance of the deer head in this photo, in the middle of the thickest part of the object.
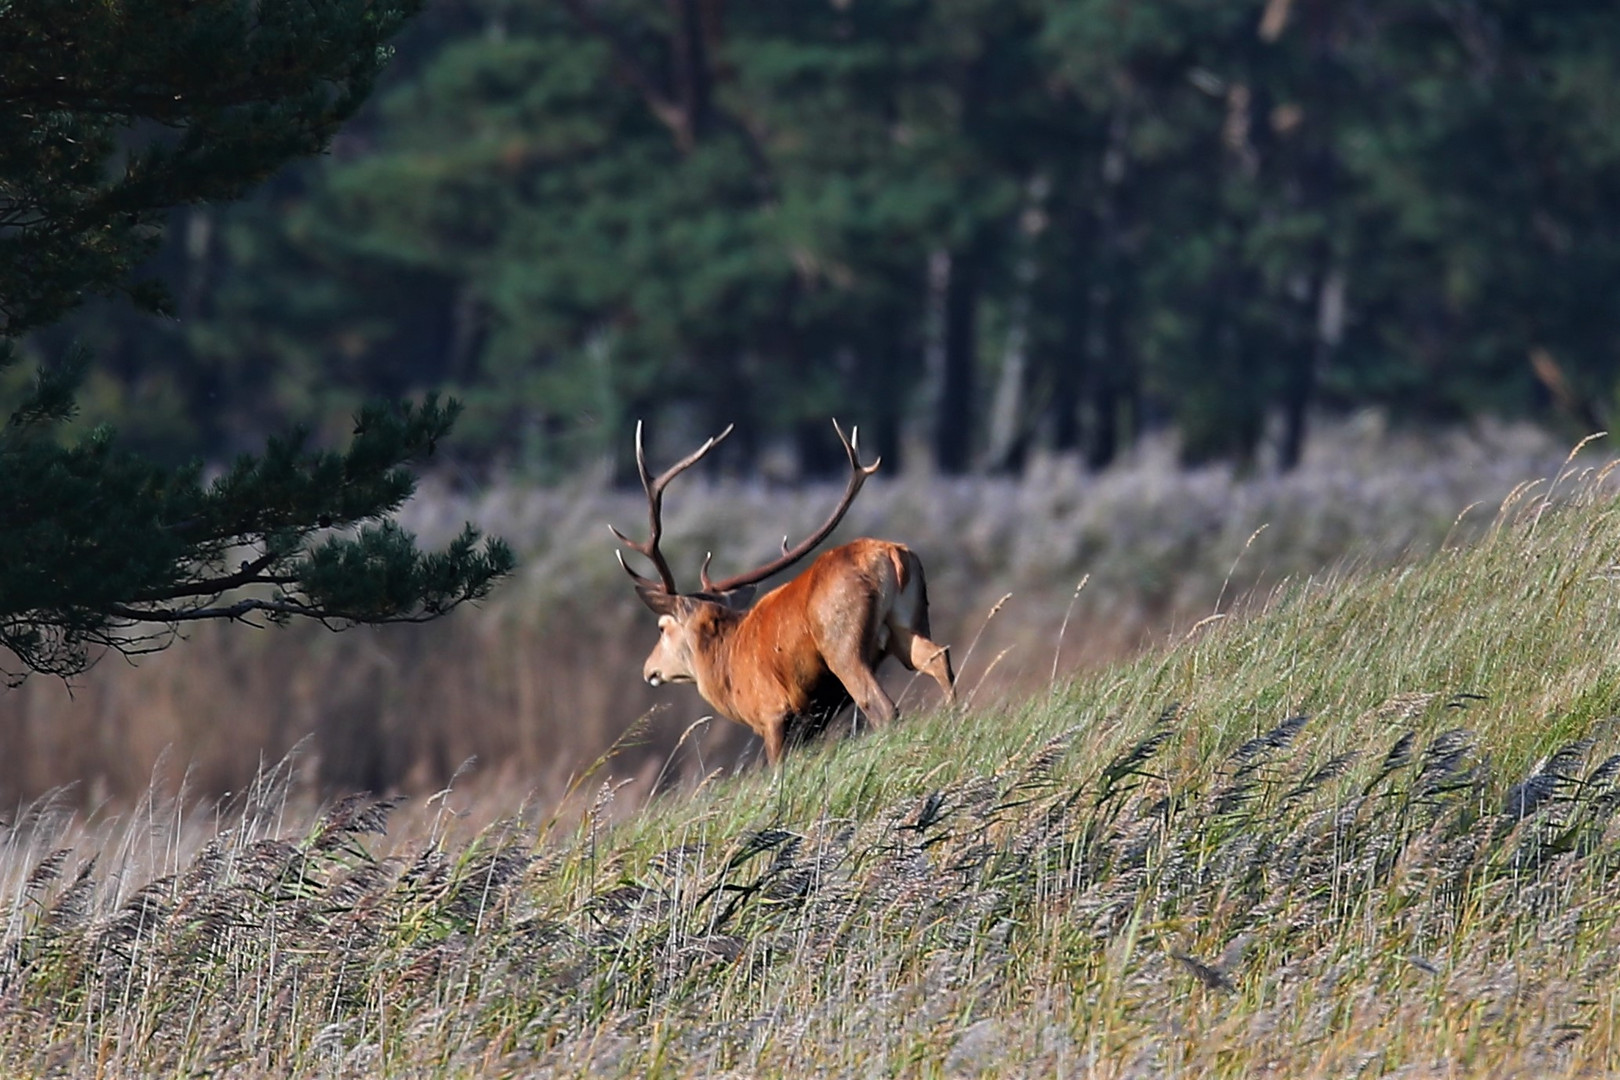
(687, 620)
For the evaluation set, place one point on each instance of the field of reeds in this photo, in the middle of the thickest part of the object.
(537, 684)
(1366, 825)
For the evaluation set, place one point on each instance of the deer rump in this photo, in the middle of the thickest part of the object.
(852, 607)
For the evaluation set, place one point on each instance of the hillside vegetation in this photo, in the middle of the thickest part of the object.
(1365, 828)
(540, 680)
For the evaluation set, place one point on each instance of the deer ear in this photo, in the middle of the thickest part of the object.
(660, 601)
(736, 599)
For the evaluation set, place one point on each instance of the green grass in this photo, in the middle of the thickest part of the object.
(1365, 828)
(540, 681)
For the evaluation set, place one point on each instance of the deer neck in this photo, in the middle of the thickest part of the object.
(759, 663)
(718, 651)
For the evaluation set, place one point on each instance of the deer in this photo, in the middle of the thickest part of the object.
(783, 666)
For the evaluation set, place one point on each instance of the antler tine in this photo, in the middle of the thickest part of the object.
(680, 466)
(655, 510)
(852, 447)
(857, 476)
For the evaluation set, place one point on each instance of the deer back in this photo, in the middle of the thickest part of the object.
(774, 659)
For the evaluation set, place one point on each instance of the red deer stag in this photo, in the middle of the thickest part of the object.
(786, 663)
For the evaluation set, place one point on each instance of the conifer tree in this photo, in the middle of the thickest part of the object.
(110, 116)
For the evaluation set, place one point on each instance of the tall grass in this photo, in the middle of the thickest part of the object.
(1366, 828)
(543, 680)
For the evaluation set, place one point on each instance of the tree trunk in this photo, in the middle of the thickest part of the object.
(467, 326)
(1312, 359)
(936, 281)
(893, 373)
(693, 78)
(1063, 408)
(817, 447)
(1068, 361)
(1008, 436)
(1102, 441)
(1009, 429)
(1108, 355)
(953, 420)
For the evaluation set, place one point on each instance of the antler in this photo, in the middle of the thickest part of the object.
(857, 476)
(655, 508)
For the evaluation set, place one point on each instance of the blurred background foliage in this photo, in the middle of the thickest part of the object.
(1180, 298)
(976, 228)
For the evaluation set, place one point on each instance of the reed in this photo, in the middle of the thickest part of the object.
(1365, 825)
(526, 692)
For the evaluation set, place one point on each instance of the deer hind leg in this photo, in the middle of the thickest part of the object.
(908, 631)
(917, 653)
(854, 637)
(851, 663)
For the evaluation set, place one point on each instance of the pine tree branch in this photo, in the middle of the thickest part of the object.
(281, 608)
(99, 541)
(249, 574)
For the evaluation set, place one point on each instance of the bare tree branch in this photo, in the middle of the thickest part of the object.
(657, 98)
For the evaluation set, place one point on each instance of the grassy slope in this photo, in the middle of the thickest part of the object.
(1416, 879)
(540, 681)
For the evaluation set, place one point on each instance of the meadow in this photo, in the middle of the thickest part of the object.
(1360, 823)
(519, 696)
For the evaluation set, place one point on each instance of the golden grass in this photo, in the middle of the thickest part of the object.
(1368, 828)
(543, 679)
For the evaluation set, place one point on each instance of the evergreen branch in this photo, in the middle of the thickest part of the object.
(99, 540)
(279, 608)
(248, 575)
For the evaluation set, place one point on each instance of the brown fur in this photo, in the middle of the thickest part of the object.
(770, 666)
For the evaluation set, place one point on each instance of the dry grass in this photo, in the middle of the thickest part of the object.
(1369, 830)
(543, 680)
